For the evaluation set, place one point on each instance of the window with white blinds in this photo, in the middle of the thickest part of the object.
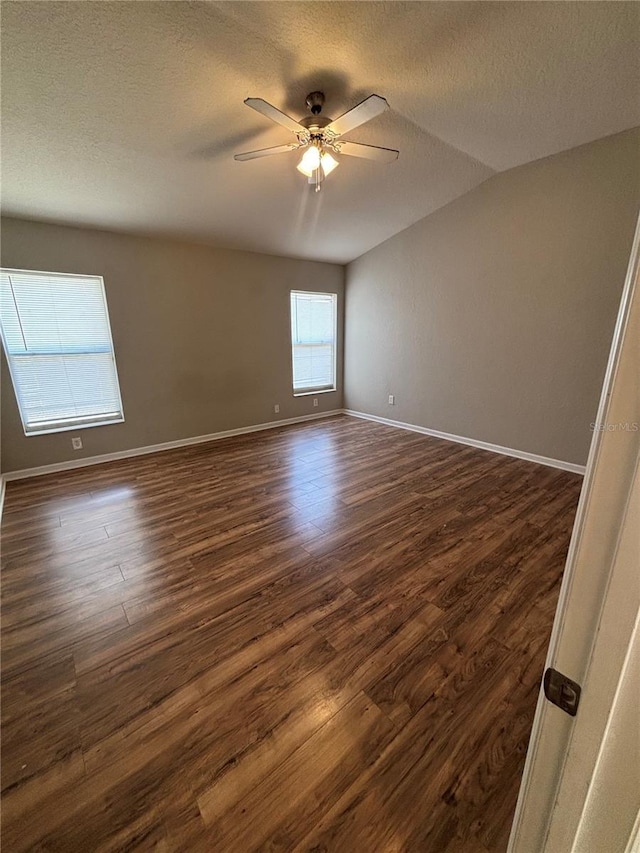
(313, 338)
(56, 334)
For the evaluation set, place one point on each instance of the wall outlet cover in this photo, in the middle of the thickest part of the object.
(76, 443)
(315, 401)
(392, 400)
(276, 408)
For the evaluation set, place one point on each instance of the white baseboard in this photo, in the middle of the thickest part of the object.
(156, 448)
(216, 436)
(472, 442)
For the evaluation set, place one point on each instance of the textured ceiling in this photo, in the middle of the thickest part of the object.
(126, 115)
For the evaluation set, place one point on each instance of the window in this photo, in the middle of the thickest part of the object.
(313, 339)
(56, 334)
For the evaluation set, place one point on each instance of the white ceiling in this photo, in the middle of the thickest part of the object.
(126, 115)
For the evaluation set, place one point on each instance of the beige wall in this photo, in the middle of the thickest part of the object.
(201, 336)
(489, 319)
(492, 318)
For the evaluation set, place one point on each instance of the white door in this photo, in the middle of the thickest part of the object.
(565, 782)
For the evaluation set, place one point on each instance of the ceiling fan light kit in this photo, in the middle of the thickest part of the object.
(320, 136)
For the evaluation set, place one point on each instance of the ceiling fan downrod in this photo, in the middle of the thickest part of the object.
(315, 102)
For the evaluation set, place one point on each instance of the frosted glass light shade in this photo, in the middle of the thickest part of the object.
(310, 161)
(328, 162)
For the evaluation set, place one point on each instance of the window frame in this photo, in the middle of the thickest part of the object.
(77, 425)
(319, 390)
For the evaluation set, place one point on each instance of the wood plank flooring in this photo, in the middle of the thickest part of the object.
(326, 637)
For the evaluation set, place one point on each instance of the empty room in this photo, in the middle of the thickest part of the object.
(319, 426)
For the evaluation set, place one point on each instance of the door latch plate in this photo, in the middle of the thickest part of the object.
(562, 691)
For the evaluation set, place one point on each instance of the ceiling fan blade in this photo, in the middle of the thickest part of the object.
(368, 152)
(266, 152)
(364, 111)
(274, 114)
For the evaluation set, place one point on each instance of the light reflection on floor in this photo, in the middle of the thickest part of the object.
(313, 481)
(113, 510)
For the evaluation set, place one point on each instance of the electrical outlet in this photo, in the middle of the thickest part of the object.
(76, 443)
(315, 401)
(276, 408)
(392, 400)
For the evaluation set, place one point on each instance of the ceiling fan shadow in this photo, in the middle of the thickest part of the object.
(205, 146)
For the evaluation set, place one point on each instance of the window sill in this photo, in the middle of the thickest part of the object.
(313, 393)
(51, 430)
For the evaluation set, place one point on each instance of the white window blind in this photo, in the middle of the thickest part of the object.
(56, 334)
(313, 338)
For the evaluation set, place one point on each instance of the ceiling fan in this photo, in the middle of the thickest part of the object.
(320, 136)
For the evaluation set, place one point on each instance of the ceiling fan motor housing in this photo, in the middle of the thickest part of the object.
(314, 123)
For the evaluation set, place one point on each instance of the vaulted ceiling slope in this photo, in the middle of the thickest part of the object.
(126, 115)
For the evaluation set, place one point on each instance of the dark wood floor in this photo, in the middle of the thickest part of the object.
(326, 637)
